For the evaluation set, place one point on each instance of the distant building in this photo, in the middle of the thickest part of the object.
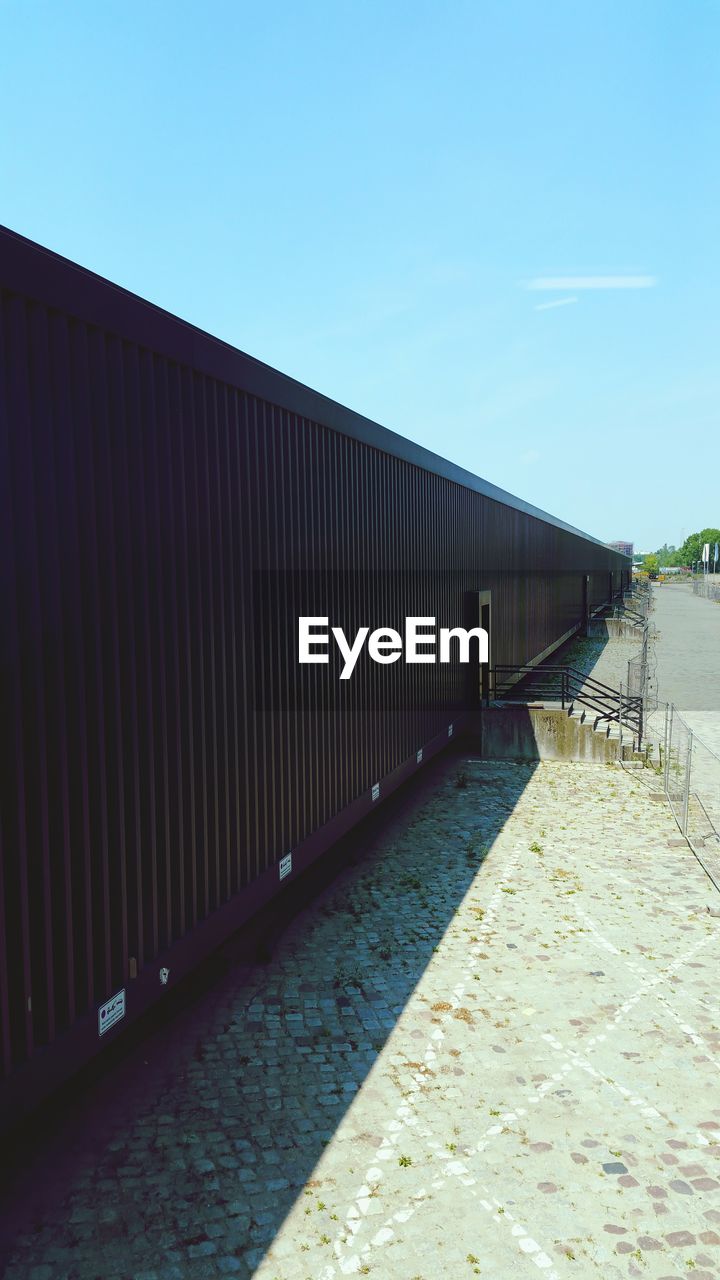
(625, 548)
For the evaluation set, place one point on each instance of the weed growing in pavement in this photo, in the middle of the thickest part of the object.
(476, 849)
(350, 977)
(410, 882)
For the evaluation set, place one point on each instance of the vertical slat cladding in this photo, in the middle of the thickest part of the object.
(6, 1047)
(56, 825)
(273, 561)
(106, 906)
(220, 728)
(110, 398)
(198, 727)
(16, 979)
(234, 706)
(155, 766)
(91, 372)
(75, 675)
(25, 446)
(204, 429)
(188, 809)
(159, 575)
(168, 498)
(243, 479)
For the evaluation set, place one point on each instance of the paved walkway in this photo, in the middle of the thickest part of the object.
(688, 657)
(492, 1048)
(688, 648)
(686, 654)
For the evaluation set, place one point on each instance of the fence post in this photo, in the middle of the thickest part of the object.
(668, 748)
(620, 723)
(686, 797)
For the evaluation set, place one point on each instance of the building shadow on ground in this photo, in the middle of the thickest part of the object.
(182, 1161)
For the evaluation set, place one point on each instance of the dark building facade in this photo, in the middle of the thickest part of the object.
(170, 506)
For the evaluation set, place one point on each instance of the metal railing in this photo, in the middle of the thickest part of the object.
(568, 685)
(633, 605)
(691, 780)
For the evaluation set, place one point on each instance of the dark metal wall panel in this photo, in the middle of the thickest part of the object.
(160, 754)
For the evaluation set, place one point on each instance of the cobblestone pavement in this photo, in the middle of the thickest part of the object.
(605, 660)
(491, 1049)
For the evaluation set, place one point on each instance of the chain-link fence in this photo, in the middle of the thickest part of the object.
(703, 824)
(633, 605)
(691, 780)
(708, 587)
(689, 768)
(676, 767)
(641, 680)
(636, 676)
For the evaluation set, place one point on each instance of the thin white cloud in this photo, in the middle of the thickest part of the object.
(566, 283)
(561, 302)
(530, 456)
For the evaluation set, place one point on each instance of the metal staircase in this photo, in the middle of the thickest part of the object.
(571, 688)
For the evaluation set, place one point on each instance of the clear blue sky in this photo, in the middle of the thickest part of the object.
(362, 194)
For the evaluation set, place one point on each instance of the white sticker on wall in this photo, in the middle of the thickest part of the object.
(285, 866)
(419, 756)
(111, 1012)
(376, 791)
(450, 731)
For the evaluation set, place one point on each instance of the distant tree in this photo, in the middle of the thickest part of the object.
(664, 553)
(692, 547)
(651, 565)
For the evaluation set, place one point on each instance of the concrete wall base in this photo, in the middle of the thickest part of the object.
(614, 629)
(526, 732)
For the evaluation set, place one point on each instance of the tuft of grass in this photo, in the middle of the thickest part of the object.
(404, 1161)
